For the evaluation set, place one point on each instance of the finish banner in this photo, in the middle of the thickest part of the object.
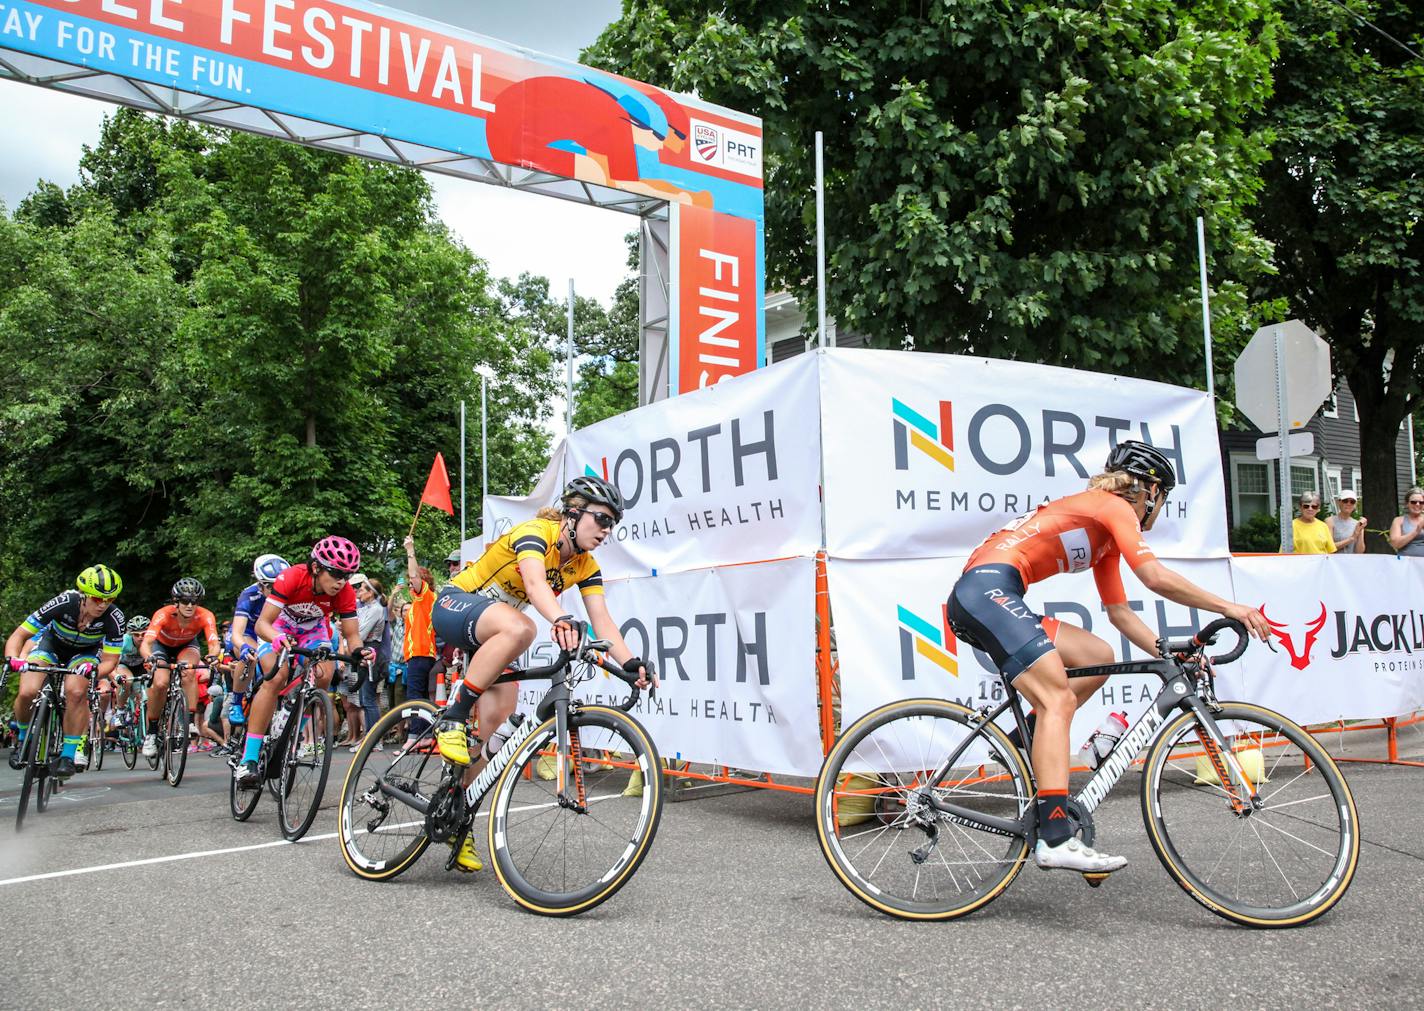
(717, 330)
(932, 453)
(1348, 632)
(894, 639)
(725, 475)
(735, 649)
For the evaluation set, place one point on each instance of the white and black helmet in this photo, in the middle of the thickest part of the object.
(267, 568)
(596, 490)
(189, 588)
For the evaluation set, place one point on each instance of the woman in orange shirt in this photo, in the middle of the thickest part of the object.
(419, 649)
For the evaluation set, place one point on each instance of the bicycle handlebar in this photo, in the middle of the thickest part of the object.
(1206, 636)
(326, 653)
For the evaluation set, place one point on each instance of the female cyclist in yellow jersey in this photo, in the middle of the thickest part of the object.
(481, 612)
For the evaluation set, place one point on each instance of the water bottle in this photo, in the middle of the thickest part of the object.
(279, 720)
(497, 739)
(1102, 740)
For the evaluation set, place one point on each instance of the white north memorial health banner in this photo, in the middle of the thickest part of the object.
(1349, 634)
(736, 651)
(724, 475)
(899, 644)
(928, 454)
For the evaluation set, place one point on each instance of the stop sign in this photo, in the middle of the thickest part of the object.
(1307, 368)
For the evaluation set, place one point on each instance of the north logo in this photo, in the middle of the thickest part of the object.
(935, 440)
(706, 141)
(1300, 658)
(936, 644)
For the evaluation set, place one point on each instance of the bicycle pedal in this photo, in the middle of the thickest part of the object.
(1095, 879)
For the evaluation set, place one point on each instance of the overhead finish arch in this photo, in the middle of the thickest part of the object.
(371, 81)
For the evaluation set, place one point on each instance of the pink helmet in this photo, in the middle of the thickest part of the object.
(337, 553)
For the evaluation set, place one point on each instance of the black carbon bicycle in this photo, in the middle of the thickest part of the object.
(575, 793)
(925, 809)
(44, 739)
(173, 735)
(295, 759)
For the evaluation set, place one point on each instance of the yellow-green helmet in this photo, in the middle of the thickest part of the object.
(99, 581)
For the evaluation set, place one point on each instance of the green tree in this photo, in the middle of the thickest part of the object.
(1013, 180)
(1344, 204)
(607, 382)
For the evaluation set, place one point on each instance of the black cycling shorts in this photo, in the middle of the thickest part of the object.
(987, 610)
(455, 615)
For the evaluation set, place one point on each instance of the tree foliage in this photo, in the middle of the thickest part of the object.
(1015, 180)
(225, 345)
(1344, 205)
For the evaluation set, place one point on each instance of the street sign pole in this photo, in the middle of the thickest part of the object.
(1283, 433)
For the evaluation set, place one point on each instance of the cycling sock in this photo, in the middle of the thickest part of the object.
(23, 732)
(459, 710)
(253, 747)
(153, 727)
(1016, 738)
(71, 745)
(1054, 826)
(237, 698)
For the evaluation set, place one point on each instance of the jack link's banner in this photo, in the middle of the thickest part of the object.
(735, 649)
(724, 475)
(1349, 634)
(928, 454)
(373, 69)
(897, 642)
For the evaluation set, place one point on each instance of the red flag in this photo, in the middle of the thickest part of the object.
(437, 487)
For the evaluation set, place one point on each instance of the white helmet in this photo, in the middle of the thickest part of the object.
(267, 568)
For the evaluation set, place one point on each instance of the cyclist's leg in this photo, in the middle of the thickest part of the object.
(158, 689)
(189, 654)
(1079, 648)
(492, 635)
(262, 704)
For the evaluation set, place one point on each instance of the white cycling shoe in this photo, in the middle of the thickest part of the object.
(1072, 855)
(150, 746)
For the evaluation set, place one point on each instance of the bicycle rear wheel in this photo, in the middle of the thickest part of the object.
(380, 835)
(558, 860)
(1281, 864)
(885, 843)
(306, 762)
(175, 740)
(29, 755)
(129, 739)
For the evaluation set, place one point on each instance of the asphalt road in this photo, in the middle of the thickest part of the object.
(733, 908)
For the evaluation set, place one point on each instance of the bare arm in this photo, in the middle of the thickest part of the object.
(1397, 537)
(1126, 621)
(412, 567)
(1180, 590)
(265, 629)
(16, 642)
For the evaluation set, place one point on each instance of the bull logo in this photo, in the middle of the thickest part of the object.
(1301, 660)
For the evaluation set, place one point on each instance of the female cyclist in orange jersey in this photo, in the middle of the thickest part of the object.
(1094, 529)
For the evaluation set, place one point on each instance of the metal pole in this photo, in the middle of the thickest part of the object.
(484, 453)
(1206, 309)
(1413, 467)
(1283, 434)
(462, 474)
(820, 244)
(569, 392)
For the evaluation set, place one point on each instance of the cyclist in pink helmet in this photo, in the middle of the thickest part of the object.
(298, 612)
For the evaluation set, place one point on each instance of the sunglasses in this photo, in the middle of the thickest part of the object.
(1310, 505)
(1416, 501)
(604, 521)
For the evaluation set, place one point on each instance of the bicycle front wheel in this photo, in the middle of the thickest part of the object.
(129, 742)
(561, 856)
(175, 742)
(29, 754)
(381, 836)
(885, 843)
(96, 741)
(1280, 864)
(306, 762)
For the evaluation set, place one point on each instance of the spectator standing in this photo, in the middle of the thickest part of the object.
(1404, 533)
(371, 620)
(1348, 532)
(419, 652)
(1309, 532)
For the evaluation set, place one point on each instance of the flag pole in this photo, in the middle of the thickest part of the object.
(417, 518)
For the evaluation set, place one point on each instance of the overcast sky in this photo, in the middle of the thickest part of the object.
(41, 132)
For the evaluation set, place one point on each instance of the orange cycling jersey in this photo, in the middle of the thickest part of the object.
(169, 628)
(1089, 530)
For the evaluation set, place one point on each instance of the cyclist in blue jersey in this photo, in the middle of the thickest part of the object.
(83, 630)
(265, 570)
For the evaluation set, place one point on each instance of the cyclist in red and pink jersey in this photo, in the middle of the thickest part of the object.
(1095, 529)
(298, 613)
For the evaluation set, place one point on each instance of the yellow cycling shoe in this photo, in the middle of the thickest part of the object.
(468, 860)
(547, 767)
(635, 784)
(454, 747)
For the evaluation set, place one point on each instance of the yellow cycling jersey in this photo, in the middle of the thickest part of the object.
(496, 574)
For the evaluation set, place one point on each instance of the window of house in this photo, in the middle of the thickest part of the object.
(1303, 478)
(1332, 482)
(1251, 488)
(1332, 405)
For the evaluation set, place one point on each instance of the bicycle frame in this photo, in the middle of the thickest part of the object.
(1178, 692)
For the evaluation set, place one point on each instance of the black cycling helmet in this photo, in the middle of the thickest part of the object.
(1143, 461)
(596, 490)
(189, 588)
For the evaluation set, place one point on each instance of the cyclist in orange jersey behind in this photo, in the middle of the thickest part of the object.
(1094, 529)
(172, 636)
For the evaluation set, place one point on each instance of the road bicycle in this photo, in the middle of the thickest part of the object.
(44, 740)
(131, 719)
(173, 740)
(93, 743)
(295, 758)
(925, 809)
(560, 845)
